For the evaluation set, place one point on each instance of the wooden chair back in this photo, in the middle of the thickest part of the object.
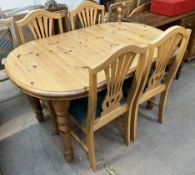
(140, 2)
(87, 14)
(116, 69)
(40, 23)
(140, 8)
(120, 10)
(169, 47)
(8, 41)
(136, 2)
(9, 22)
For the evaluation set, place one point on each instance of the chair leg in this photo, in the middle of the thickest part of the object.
(91, 150)
(36, 106)
(179, 71)
(127, 125)
(162, 105)
(54, 118)
(150, 106)
(134, 117)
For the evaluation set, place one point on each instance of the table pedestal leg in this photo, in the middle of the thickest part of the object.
(61, 110)
(36, 105)
(53, 117)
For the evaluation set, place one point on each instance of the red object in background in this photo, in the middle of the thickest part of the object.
(172, 7)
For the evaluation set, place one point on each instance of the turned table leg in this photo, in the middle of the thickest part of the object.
(36, 105)
(61, 110)
(53, 117)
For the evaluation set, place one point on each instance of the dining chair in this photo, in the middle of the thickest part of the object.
(100, 108)
(156, 80)
(8, 41)
(87, 14)
(120, 10)
(41, 24)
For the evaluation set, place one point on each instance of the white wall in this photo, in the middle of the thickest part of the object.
(10, 4)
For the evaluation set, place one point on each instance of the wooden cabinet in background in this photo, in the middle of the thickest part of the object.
(189, 22)
(163, 22)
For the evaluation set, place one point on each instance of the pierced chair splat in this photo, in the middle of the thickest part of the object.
(41, 24)
(86, 14)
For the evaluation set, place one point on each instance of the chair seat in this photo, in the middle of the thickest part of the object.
(78, 108)
(127, 86)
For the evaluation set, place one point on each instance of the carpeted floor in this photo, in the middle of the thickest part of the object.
(28, 147)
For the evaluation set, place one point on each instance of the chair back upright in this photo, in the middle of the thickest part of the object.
(87, 14)
(8, 41)
(9, 22)
(120, 10)
(140, 8)
(140, 2)
(169, 47)
(41, 24)
(115, 69)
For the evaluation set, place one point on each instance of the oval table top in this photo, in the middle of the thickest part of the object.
(57, 67)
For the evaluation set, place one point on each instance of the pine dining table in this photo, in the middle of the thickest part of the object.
(56, 68)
